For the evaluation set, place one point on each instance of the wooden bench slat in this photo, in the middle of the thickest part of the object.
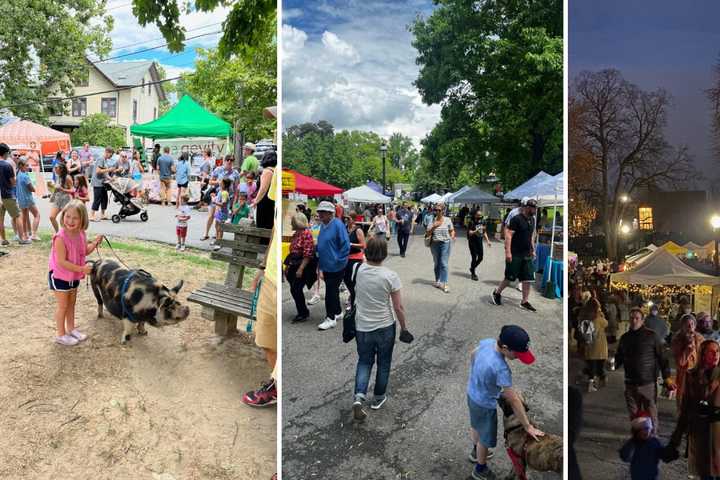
(243, 310)
(240, 246)
(225, 296)
(246, 230)
(236, 259)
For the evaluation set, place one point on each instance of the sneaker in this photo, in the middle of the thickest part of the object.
(327, 324)
(67, 340)
(35, 238)
(473, 454)
(378, 402)
(359, 413)
(25, 242)
(474, 277)
(177, 246)
(496, 298)
(315, 299)
(182, 247)
(446, 289)
(299, 318)
(484, 474)
(78, 335)
(527, 306)
(591, 386)
(216, 248)
(5, 243)
(264, 396)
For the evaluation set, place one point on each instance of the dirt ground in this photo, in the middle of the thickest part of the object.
(167, 406)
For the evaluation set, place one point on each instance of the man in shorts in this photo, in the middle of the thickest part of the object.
(490, 377)
(519, 254)
(8, 198)
(166, 167)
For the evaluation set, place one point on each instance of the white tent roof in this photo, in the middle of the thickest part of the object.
(663, 268)
(453, 196)
(365, 194)
(527, 189)
(693, 246)
(476, 195)
(550, 191)
(434, 198)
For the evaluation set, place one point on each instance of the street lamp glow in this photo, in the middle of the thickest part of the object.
(715, 221)
(625, 229)
(624, 198)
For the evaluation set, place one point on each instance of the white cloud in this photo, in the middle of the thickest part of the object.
(339, 47)
(291, 13)
(357, 74)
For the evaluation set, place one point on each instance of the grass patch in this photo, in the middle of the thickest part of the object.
(155, 250)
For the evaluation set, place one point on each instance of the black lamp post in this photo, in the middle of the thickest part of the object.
(383, 150)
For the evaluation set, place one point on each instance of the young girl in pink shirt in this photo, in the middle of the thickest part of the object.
(67, 267)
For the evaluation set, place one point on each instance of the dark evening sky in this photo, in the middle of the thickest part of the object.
(655, 44)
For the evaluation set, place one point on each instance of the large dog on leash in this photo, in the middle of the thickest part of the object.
(542, 455)
(135, 297)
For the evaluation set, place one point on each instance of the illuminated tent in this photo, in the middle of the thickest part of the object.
(663, 268)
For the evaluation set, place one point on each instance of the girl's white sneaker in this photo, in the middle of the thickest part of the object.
(78, 335)
(67, 340)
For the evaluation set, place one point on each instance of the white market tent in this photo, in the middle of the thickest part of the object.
(527, 189)
(663, 268)
(453, 196)
(640, 255)
(550, 191)
(365, 194)
(476, 195)
(434, 198)
(446, 197)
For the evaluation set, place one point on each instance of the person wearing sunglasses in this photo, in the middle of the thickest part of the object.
(441, 232)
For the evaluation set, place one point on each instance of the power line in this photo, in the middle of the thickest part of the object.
(153, 48)
(119, 89)
(118, 6)
(161, 38)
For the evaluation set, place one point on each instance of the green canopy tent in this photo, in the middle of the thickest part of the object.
(186, 119)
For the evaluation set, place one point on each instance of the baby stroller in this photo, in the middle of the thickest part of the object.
(123, 190)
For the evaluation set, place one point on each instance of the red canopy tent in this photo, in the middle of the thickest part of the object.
(26, 134)
(310, 186)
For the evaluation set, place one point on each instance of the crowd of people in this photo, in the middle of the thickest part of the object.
(230, 194)
(348, 248)
(658, 342)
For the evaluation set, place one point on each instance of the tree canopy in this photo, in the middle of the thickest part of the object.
(237, 89)
(245, 29)
(98, 129)
(346, 158)
(55, 35)
(496, 67)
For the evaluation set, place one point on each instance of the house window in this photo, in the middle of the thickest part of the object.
(84, 78)
(646, 218)
(108, 106)
(79, 107)
(134, 111)
(55, 108)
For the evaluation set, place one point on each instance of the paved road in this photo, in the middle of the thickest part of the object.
(422, 432)
(606, 427)
(160, 226)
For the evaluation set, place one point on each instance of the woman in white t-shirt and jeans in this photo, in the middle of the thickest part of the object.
(377, 295)
(441, 232)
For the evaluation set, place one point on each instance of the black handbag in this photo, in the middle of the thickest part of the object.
(349, 316)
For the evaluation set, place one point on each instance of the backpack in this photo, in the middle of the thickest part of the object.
(587, 331)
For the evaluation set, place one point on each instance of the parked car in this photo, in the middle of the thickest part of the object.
(263, 146)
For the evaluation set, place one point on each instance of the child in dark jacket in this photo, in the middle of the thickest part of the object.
(644, 451)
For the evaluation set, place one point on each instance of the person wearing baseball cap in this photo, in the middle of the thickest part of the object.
(250, 163)
(519, 254)
(333, 248)
(490, 377)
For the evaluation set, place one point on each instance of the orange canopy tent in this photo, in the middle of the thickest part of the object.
(34, 140)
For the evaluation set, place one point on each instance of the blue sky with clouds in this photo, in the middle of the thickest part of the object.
(655, 44)
(128, 32)
(351, 62)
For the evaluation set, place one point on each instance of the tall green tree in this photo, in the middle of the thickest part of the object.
(236, 89)
(44, 47)
(496, 66)
(245, 29)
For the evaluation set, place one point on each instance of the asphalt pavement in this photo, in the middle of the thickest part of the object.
(160, 226)
(422, 431)
(606, 427)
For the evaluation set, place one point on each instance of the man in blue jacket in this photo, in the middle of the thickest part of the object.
(333, 247)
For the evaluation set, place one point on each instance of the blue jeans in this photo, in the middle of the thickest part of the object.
(378, 343)
(441, 255)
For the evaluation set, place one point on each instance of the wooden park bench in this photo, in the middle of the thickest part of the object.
(224, 303)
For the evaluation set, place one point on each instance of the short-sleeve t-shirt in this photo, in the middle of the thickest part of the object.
(182, 172)
(98, 178)
(442, 233)
(165, 163)
(521, 243)
(478, 225)
(250, 164)
(489, 374)
(373, 287)
(24, 195)
(7, 173)
(184, 212)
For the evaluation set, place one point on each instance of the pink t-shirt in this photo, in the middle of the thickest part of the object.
(75, 248)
